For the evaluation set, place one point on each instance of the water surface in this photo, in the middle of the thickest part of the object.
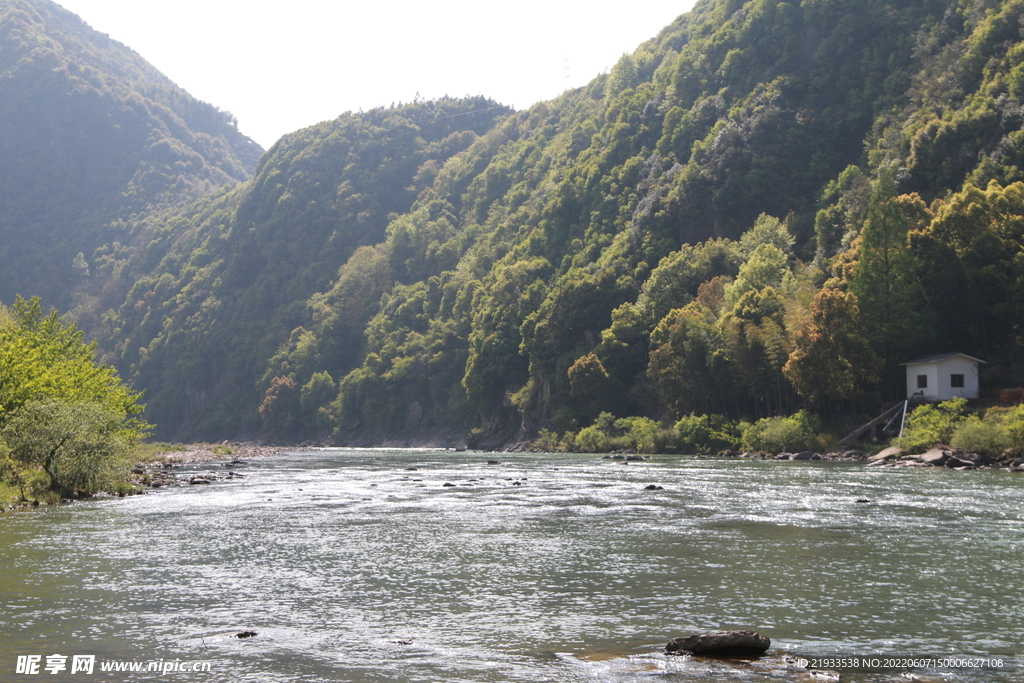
(353, 566)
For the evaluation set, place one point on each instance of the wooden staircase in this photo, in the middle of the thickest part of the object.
(857, 433)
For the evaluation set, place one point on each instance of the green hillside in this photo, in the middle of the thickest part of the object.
(767, 207)
(682, 234)
(233, 273)
(92, 139)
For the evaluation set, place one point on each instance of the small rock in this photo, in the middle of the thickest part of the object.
(804, 455)
(862, 500)
(493, 462)
(448, 483)
(246, 634)
(653, 487)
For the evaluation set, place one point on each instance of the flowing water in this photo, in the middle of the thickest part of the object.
(350, 565)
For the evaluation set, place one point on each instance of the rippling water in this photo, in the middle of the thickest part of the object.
(575, 574)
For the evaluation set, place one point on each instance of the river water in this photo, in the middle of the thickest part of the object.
(360, 565)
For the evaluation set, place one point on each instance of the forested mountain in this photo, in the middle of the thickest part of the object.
(234, 273)
(766, 207)
(93, 139)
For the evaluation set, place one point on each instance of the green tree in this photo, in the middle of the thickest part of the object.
(889, 291)
(758, 345)
(689, 362)
(83, 447)
(43, 358)
(832, 360)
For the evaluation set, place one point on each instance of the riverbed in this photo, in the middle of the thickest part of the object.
(363, 565)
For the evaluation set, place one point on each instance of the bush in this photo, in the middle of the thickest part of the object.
(987, 436)
(1000, 431)
(1013, 422)
(932, 424)
(642, 433)
(592, 440)
(798, 432)
(546, 440)
(706, 433)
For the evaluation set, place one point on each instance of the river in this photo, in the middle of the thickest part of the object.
(362, 566)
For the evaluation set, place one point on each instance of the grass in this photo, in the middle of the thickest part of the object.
(145, 452)
(10, 494)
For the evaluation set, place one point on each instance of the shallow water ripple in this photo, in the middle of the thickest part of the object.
(575, 574)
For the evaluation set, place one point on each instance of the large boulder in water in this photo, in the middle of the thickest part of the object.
(744, 643)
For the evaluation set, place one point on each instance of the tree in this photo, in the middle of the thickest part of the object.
(43, 358)
(689, 363)
(886, 282)
(755, 336)
(592, 388)
(832, 360)
(280, 409)
(60, 410)
(82, 446)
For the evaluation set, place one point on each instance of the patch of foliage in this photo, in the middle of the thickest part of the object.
(67, 424)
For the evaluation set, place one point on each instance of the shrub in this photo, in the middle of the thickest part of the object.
(591, 440)
(981, 436)
(1013, 422)
(1000, 431)
(932, 424)
(642, 433)
(706, 433)
(546, 440)
(798, 432)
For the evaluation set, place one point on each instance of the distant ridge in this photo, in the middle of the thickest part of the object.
(92, 138)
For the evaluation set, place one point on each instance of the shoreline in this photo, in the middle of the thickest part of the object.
(206, 452)
(154, 469)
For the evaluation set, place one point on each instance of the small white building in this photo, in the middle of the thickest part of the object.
(942, 376)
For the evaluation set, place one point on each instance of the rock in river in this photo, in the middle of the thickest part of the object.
(745, 643)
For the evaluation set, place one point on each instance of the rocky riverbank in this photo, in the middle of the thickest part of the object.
(157, 469)
(944, 456)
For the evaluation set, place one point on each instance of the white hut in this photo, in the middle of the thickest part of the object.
(942, 376)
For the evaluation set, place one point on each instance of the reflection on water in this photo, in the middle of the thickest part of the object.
(352, 567)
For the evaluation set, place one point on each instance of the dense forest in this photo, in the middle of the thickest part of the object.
(760, 212)
(92, 140)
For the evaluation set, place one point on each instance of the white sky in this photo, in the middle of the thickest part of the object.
(282, 66)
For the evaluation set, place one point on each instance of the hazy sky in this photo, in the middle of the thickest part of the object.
(282, 66)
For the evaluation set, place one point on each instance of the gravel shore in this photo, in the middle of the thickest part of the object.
(203, 452)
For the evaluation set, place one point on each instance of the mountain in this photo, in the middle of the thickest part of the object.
(92, 140)
(766, 207)
(233, 273)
